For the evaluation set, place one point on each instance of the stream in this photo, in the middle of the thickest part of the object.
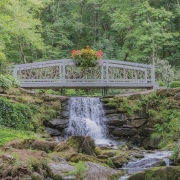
(149, 160)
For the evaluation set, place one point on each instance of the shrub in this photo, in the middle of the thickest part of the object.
(80, 170)
(15, 82)
(5, 83)
(16, 115)
(175, 84)
(162, 83)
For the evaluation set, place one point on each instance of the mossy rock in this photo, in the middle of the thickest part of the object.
(118, 161)
(168, 92)
(158, 173)
(135, 96)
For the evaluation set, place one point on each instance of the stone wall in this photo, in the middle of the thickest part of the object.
(123, 127)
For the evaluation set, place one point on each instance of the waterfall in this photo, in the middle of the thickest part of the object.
(87, 118)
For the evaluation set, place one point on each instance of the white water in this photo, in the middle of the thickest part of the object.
(87, 118)
(149, 160)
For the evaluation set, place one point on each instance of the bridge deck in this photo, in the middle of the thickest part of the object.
(64, 74)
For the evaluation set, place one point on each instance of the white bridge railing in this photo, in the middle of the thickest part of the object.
(64, 74)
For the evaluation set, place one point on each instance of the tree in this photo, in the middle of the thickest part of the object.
(23, 29)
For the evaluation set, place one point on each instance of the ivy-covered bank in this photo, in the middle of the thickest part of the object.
(22, 113)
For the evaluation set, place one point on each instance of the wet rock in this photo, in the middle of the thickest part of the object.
(59, 124)
(149, 143)
(138, 155)
(118, 161)
(65, 114)
(146, 163)
(99, 172)
(110, 111)
(124, 132)
(53, 132)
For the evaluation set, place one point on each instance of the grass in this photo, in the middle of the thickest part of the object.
(8, 134)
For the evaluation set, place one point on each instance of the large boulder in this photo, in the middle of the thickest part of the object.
(80, 144)
(60, 170)
(158, 173)
(44, 145)
(99, 172)
(151, 143)
(59, 124)
(53, 132)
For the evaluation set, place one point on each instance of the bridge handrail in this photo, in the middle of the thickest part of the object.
(71, 60)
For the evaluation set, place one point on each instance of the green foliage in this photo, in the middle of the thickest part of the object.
(97, 151)
(175, 84)
(109, 162)
(161, 83)
(5, 83)
(175, 153)
(80, 170)
(8, 134)
(15, 82)
(164, 72)
(16, 115)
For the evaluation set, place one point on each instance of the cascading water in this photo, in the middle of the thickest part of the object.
(149, 160)
(87, 118)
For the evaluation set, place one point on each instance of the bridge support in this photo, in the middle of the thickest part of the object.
(104, 91)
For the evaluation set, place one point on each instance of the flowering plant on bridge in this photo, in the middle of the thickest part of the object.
(86, 57)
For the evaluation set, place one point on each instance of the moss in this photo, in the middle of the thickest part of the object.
(97, 151)
(82, 157)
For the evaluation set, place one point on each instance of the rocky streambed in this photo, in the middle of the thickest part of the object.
(79, 158)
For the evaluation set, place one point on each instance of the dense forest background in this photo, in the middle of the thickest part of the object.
(129, 30)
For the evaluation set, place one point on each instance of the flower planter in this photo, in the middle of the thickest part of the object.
(85, 64)
(86, 57)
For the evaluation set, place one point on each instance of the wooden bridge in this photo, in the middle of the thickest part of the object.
(64, 74)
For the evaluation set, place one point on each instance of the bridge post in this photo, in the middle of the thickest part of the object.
(15, 72)
(107, 75)
(64, 73)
